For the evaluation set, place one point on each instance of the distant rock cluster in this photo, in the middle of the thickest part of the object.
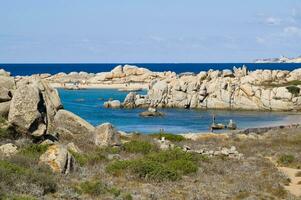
(227, 89)
(221, 151)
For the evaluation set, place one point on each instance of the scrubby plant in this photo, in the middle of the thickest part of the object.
(94, 188)
(298, 174)
(16, 174)
(294, 90)
(34, 150)
(7, 132)
(88, 158)
(286, 159)
(17, 197)
(169, 136)
(97, 188)
(167, 165)
(138, 146)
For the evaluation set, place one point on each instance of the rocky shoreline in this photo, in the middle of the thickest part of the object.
(269, 90)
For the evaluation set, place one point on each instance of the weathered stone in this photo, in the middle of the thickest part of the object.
(5, 94)
(41, 130)
(7, 82)
(72, 123)
(112, 104)
(58, 159)
(106, 135)
(129, 101)
(24, 108)
(4, 109)
(4, 73)
(8, 149)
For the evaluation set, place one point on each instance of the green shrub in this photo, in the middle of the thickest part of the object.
(94, 188)
(34, 150)
(127, 197)
(118, 166)
(286, 159)
(137, 146)
(158, 166)
(17, 197)
(169, 136)
(172, 155)
(150, 170)
(293, 90)
(88, 158)
(15, 177)
(183, 166)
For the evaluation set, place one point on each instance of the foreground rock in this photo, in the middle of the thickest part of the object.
(59, 159)
(8, 149)
(106, 135)
(67, 122)
(4, 109)
(33, 107)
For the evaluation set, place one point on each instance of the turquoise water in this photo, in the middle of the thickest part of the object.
(88, 104)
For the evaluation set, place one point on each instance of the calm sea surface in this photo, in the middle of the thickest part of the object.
(28, 69)
(89, 103)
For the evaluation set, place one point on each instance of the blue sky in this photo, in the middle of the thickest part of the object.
(148, 30)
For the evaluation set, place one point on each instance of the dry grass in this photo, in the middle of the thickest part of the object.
(253, 177)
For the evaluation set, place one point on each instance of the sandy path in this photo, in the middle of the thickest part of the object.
(294, 188)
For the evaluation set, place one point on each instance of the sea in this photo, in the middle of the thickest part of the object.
(88, 103)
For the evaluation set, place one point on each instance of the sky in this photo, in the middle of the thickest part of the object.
(148, 31)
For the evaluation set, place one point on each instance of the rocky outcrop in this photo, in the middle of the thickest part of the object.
(59, 159)
(151, 112)
(4, 109)
(237, 89)
(127, 77)
(24, 111)
(67, 122)
(33, 107)
(112, 104)
(8, 149)
(106, 135)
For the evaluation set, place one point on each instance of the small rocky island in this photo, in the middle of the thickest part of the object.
(47, 152)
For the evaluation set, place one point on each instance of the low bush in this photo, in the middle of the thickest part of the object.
(16, 174)
(17, 197)
(90, 158)
(34, 150)
(286, 160)
(298, 174)
(168, 136)
(294, 90)
(96, 188)
(137, 146)
(160, 166)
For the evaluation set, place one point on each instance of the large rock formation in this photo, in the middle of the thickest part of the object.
(237, 89)
(106, 135)
(129, 76)
(33, 107)
(67, 122)
(58, 158)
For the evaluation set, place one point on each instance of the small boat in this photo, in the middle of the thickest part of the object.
(232, 125)
(217, 126)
